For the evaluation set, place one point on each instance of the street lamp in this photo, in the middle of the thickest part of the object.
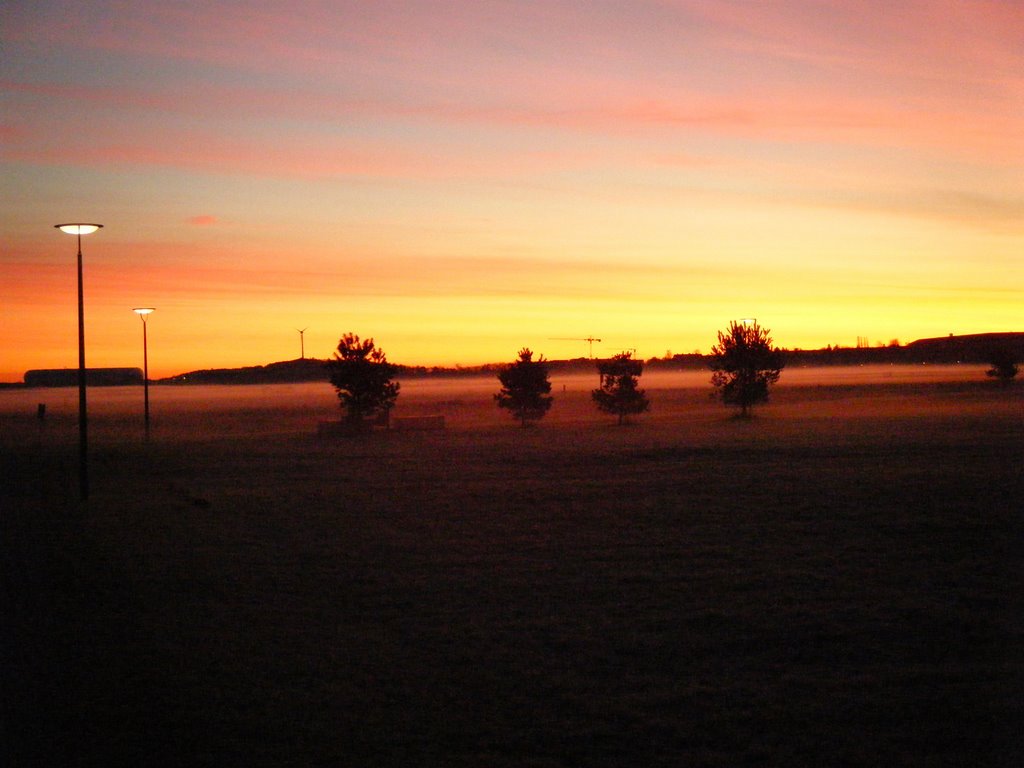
(142, 312)
(83, 428)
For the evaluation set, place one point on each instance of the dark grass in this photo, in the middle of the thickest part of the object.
(840, 590)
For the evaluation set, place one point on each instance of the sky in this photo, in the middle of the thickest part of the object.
(458, 180)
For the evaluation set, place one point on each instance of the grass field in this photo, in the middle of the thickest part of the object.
(836, 581)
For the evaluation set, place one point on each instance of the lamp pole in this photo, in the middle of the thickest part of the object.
(83, 421)
(142, 312)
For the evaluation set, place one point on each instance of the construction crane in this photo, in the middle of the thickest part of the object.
(590, 340)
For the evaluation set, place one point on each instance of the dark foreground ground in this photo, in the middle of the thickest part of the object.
(836, 582)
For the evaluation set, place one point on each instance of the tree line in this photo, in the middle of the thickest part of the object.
(744, 365)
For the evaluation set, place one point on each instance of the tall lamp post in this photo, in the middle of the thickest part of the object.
(83, 423)
(142, 312)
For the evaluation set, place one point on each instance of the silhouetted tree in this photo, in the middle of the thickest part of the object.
(745, 364)
(525, 388)
(618, 393)
(361, 375)
(1004, 364)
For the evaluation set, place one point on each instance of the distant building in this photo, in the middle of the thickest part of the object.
(94, 377)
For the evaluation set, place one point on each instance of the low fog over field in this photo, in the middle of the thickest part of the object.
(835, 581)
(466, 401)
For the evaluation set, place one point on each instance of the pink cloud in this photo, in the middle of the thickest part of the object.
(403, 90)
(935, 74)
(12, 133)
(775, 112)
(203, 220)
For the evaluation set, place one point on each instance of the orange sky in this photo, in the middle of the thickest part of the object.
(459, 183)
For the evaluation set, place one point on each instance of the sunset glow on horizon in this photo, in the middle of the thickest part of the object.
(463, 180)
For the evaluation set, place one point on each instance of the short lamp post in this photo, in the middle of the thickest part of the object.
(142, 312)
(83, 421)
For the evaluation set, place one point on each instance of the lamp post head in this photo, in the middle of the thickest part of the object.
(78, 229)
(143, 311)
